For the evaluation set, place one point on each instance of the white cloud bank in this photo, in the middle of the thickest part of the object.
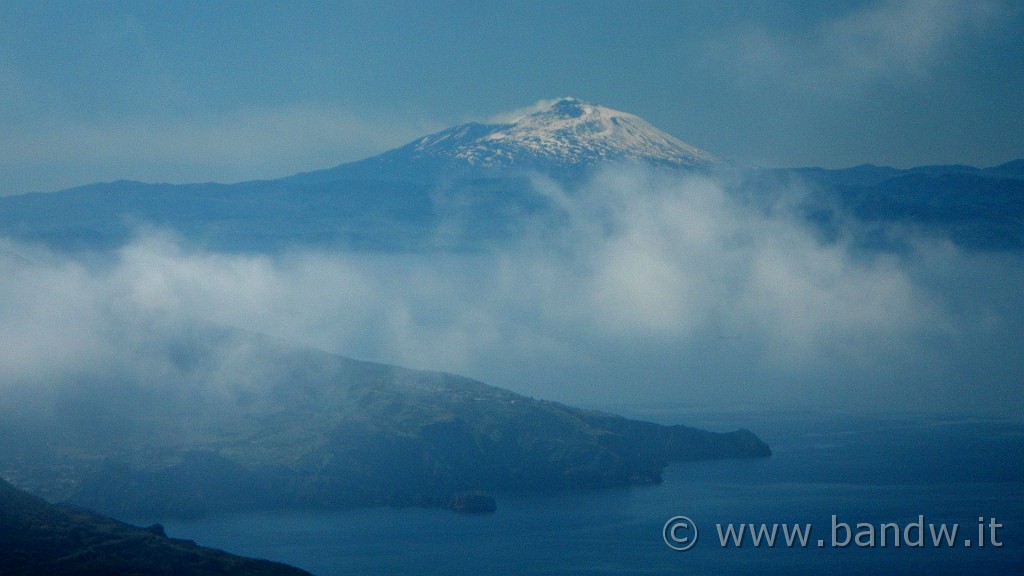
(657, 290)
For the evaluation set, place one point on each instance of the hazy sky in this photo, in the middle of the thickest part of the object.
(658, 291)
(228, 91)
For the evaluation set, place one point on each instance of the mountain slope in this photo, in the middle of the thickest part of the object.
(565, 137)
(40, 538)
(250, 216)
(977, 208)
(315, 429)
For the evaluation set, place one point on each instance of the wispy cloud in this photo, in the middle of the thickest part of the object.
(903, 37)
(888, 41)
(513, 115)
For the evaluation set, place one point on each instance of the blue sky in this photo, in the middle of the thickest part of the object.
(228, 91)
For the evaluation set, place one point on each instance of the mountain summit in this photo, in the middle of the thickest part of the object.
(567, 133)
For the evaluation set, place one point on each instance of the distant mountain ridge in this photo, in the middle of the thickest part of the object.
(976, 208)
(479, 177)
(870, 175)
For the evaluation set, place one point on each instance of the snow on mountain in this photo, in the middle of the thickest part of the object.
(569, 132)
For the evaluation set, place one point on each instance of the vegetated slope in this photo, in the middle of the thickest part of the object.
(38, 538)
(326, 431)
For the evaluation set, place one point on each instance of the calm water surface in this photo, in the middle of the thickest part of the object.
(863, 470)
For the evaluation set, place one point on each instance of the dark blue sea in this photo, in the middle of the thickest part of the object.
(921, 472)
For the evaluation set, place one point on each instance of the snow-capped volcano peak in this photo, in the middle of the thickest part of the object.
(564, 134)
(567, 132)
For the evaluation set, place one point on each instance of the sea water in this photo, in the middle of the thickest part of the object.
(842, 476)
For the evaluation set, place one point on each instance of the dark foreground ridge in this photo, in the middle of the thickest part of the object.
(325, 431)
(40, 538)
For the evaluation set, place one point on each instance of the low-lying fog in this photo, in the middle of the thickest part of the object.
(656, 290)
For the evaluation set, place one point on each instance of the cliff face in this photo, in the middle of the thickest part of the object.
(40, 538)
